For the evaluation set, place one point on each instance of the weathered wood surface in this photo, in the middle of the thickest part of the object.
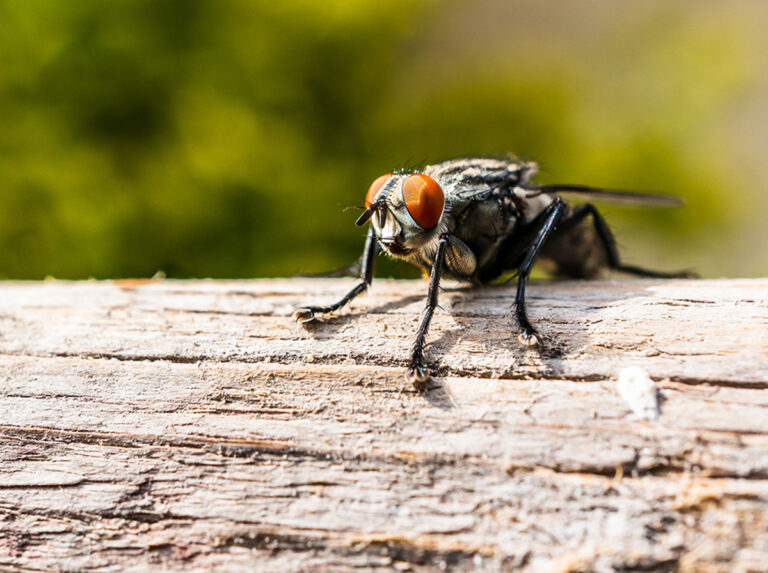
(194, 425)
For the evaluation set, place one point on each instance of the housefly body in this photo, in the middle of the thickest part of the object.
(476, 218)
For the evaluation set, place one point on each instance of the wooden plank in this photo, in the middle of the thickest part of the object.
(192, 424)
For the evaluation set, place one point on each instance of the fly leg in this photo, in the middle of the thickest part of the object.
(529, 336)
(609, 244)
(309, 313)
(417, 372)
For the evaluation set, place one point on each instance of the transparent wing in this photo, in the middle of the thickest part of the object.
(608, 195)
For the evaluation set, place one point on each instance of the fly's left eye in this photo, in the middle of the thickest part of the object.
(424, 199)
(374, 188)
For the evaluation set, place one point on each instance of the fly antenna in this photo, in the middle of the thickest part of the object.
(377, 203)
(367, 214)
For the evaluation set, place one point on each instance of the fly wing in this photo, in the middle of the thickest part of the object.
(608, 195)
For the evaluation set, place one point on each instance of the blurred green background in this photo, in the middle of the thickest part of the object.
(227, 138)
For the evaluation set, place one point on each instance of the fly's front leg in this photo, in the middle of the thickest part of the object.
(417, 372)
(529, 336)
(309, 313)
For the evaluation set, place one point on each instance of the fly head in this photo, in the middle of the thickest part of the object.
(405, 210)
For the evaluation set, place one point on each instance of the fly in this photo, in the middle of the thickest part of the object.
(473, 219)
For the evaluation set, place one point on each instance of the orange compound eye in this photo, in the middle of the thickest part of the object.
(424, 199)
(374, 188)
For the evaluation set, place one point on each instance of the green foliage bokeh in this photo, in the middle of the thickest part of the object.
(227, 138)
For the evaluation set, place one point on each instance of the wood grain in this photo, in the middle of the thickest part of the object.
(193, 424)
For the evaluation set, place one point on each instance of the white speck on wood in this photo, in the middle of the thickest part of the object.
(639, 392)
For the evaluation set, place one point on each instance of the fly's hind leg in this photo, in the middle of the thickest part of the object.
(550, 217)
(609, 244)
(309, 313)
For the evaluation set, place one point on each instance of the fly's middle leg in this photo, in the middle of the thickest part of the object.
(550, 217)
(309, 313)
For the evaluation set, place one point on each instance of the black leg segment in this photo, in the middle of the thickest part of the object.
(550, 218)
(417, 372)
(309, 313)
(609, 244)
